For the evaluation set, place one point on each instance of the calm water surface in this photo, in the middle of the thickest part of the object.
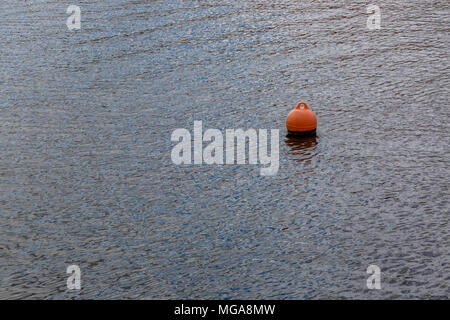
(86, 176)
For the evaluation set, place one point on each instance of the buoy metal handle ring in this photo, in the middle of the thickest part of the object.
(305, 106)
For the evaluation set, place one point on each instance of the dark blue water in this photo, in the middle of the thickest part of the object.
(86, 176)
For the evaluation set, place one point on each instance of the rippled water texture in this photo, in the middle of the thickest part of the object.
(86, 176)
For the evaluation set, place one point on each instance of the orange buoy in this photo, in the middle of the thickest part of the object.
(301, 121)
